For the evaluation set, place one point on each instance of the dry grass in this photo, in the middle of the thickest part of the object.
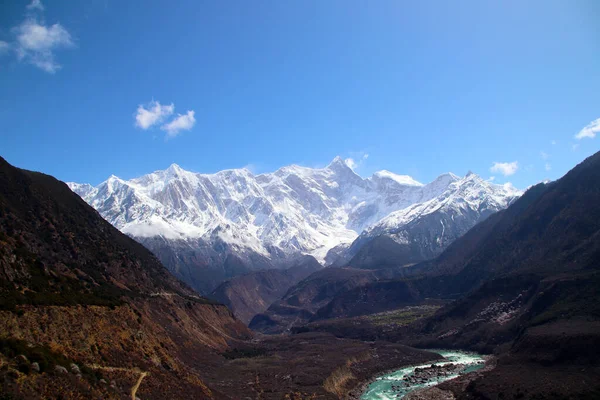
(336, 383)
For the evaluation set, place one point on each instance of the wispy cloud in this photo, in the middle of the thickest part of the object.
(553, 142)
(180, 123)
(4, 47)
(544, 155)
(35, 42)
(547, 167)
(506, 168)
(152, 113)
(589, 131)
(574, 146)
(356, 160)
(35, 5)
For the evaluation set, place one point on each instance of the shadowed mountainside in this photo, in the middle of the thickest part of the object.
(303, 302)
(253, 293)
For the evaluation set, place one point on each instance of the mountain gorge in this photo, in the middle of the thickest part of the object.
(209, 228)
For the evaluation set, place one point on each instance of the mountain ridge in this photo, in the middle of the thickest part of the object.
(264, 220)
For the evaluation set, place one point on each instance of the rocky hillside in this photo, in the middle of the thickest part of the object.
(86, 311)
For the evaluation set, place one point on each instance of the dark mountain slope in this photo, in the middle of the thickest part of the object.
(384, 252)
(46, 234)
(253, 293)
(73, 289)
(305, 298)
(204, 265)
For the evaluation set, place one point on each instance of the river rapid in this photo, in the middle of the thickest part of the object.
(403, 381)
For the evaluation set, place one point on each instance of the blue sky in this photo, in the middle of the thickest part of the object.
(420, 87)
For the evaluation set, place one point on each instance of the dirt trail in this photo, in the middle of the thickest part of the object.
(135, 387)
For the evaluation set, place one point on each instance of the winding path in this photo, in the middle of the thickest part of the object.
(137, 384)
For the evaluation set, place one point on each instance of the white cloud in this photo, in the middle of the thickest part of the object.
(350, 162)
(553, 142)
(4, 46)
(152, 114)
(509, 186)
(492, 178)
(36, 5)
(180, 123)
(544, 155)
(36, 43)
(548, 167)
(354, 163)
(590, 130)
(506, 169)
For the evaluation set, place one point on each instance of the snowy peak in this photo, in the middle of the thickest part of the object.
(83, 189)
(337, 163)
(174, 170)
(470, 195)
(293, 210)
(443, 181)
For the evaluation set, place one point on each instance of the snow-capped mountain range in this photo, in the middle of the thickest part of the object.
(423, 230)
(294, 210)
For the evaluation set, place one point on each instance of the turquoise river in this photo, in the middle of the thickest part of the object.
(394, 385)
